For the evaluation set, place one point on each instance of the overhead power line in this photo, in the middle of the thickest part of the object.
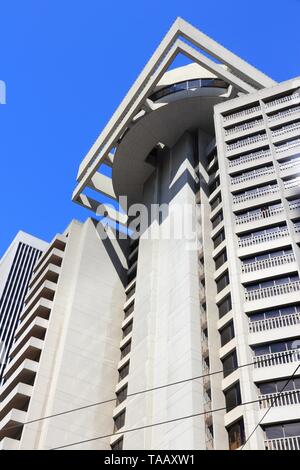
(272, 404)
(109, 400)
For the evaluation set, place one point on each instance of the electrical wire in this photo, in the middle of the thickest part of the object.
(159, 387)
(272, 404)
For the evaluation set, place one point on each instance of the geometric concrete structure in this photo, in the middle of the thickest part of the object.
(16, 266)
(188, 328)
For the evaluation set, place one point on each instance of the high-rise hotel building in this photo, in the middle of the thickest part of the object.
(16, 267)
(191, 340)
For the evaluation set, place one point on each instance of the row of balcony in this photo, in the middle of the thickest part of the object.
(276, 358)
(268, 263)
(263, 214)
(271, 291)
(250, 157)
(248, 141)
(243, 113)
(287, 128)
(271, 323)
(285, 99)
(244, 127)
(289, 164)
(283, 443)
(287, 145)
(283, 114)
(249, 175)
(263, 238)
(256, 193)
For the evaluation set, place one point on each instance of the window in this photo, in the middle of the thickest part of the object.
(233, 397)
(272, 282)
(122, 394)
(128, 310)
(118, 445)
(277, 312)
(219, 238)
(127, 329)
(222, 282)
(124, 371)
(229, 363)
(283, 430)
(227, 333)
(213, 186)
(218, 219)
(221, 259)
(216, 202)
(278, 346)
(277, 386)
(119, 421)
(236, 435)
(130, 292)
(126, 350)
(269, 255)
(225, 306)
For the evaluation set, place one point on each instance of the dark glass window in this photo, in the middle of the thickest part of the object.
(126, 350)
(227, 334)
(118, 445)
(222, 282)
(119, 421)
(236, 435)
(225, 306)
(122, 394)
(283, 430)
(233, 397)
(217, 219)
(221, 259)
(213, 186)
(128, 310)
(229, 363)
(130, 292)
(124, 371)
(219, 238)
(216, 202)
(127, 329)
(277, 386)
(278, 346)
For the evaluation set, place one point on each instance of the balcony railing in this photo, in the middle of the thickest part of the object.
(250, 157)
(268, 263)
(263, 238)
(292, 183)
(289, 163)
(244, 127)
(248, 141)
(294, 204)
(274, 322)
(297, 228)
(283, 114)
(287, 398)
(276, 359)
(252, 174)
(255, 194)
(284, 99)
(283, 443)
(284, 129)
(288, 145)
(266, 292)
(264, 214)
(243, 113)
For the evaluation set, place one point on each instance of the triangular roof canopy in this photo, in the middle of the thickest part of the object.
(181, 38)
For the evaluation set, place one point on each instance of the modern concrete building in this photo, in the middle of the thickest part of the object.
(192, 324)
(16, 266)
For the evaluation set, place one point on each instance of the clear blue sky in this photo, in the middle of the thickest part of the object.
(68, 63)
